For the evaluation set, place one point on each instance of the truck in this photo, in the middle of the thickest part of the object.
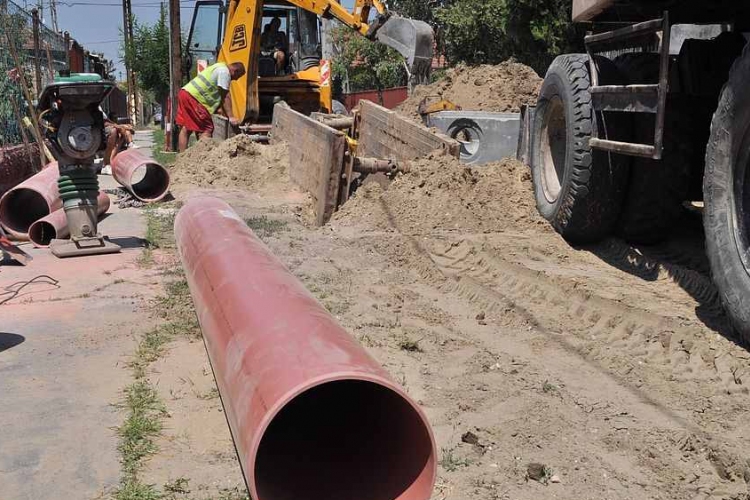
(653, 114)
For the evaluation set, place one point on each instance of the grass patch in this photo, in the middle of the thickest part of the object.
(179, 485)
(450, 462)
(548, 388)
(211, 394)
(132, 489)
(159, 227)
(263, 227)
(161, 156)
(159, 233)
(141, 427)
(232, 494)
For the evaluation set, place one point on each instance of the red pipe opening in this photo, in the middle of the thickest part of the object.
(142, 176)
(41, 233)
(150, 182)
(21, 207)
(344, 440)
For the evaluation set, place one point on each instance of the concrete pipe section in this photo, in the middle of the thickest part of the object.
(485, 137)
(55, 225)
(34, 198)
(312, 415)
(145, 179)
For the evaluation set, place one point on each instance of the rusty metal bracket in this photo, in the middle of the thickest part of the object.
(638, 98)
(376, 165)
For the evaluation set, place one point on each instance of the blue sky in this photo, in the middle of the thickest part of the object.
(98, 26)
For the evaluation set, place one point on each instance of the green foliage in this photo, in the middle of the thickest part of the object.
(148, 55)
(491, 31)
(366, 65)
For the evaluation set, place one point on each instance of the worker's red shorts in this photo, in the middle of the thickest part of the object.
(193, 115)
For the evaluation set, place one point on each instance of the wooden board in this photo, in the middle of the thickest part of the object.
(222, 129)
(387, 135)
(316, 157)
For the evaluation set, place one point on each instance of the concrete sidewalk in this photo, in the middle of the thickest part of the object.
(63, 348)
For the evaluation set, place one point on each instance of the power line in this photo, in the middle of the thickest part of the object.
(102, 4)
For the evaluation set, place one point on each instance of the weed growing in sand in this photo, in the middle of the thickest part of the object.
(211, 394)
(159, 231)
(263, 227)
(132, 489)
(450, 462)
(145, 410)
(232, 494)
(137, 435)
(406, 344)
(179, 485)
(548, 388)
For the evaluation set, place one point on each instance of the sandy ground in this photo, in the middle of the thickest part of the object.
(610, 365)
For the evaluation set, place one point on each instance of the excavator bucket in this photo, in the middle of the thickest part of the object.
(412, 39)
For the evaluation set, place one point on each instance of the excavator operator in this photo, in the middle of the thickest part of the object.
(273, 44)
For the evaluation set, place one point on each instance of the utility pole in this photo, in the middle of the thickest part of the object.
(37, 50)
(66, 38)
(53, 15)
(127, 31)
(175, 68)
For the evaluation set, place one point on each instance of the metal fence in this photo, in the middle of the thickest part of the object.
(30, 57)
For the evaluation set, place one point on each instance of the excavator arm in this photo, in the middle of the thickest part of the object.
(412, 39)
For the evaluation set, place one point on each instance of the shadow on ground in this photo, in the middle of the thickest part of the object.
(10, 340)
(683, 258)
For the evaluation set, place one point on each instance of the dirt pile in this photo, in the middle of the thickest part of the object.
(235, 163)
(501, 88)
(442, 194)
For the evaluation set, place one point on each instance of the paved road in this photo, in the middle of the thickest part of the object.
(62, 355)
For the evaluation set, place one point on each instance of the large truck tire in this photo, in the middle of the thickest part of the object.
(726, 193)
(577, 188)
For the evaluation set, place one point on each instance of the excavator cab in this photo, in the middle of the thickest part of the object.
(234, 33)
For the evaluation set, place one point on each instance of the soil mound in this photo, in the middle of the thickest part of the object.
(235, 163)
(501, 88)
(441, 194)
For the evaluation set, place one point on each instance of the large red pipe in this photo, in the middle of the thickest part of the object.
(55, 225)
(31, 200)
(313, 416)
(144, 178)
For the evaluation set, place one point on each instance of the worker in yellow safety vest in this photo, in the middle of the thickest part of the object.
(202, 96)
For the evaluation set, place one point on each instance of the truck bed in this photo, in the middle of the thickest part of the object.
(681, 11)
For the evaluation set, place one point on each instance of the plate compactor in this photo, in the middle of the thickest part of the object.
(73, 125)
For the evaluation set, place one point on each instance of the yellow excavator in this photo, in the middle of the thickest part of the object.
(232, 33)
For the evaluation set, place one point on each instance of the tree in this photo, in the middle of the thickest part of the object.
(148, 55)
(365, 65)
(491, 31)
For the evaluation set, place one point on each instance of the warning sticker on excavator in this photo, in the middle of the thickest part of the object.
(239, 38)
(325, 73)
